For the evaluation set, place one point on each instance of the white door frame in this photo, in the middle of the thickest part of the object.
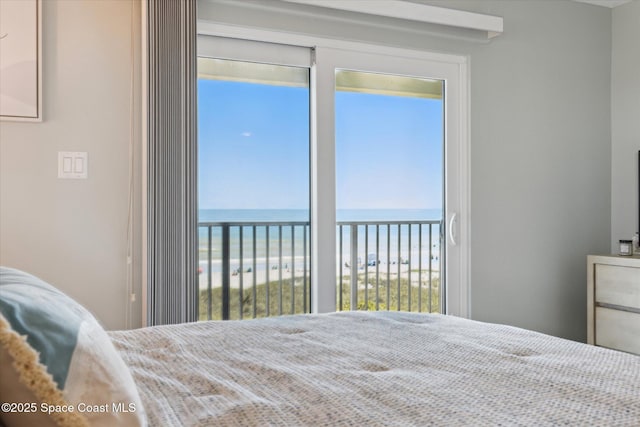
(335, 53)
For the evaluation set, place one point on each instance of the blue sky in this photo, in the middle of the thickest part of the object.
(254, 149)
(388, 152)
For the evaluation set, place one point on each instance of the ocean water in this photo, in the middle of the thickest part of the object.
(291, 245)
(248, 215)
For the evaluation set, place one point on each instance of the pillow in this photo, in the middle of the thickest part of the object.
(57, 364)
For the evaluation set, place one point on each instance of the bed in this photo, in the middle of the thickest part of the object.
(367, 368)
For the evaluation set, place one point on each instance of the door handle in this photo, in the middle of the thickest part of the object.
(452, 231)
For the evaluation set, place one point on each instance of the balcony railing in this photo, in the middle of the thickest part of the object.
(261, 269)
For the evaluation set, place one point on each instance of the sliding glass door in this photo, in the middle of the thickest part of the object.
(390, 162)
(329, 179)
(253, 182)
(389, 135)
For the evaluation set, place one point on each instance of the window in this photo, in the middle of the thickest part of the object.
(253, 185)
(389, 191)
(430, 94)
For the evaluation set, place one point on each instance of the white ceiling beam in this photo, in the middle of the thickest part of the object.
(493, 25)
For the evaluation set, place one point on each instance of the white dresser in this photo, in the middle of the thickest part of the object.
(613, 302)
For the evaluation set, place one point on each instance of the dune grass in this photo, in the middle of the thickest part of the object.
(280, 301)
(390, 296)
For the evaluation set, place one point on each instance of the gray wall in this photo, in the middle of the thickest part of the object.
(540, 145)
(625, 121)
(540, 164)
(73, 233)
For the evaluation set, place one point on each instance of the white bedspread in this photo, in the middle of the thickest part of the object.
(376, 369)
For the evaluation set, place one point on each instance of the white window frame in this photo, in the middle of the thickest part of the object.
(453, 69)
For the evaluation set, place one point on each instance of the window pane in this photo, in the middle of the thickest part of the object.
(253, 167)
(389, 169)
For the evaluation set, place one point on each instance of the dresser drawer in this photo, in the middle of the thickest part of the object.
(617, 285)
(617, 329)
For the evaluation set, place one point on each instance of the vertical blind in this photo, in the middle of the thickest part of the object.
(172, 255)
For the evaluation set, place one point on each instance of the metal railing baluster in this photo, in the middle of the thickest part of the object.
(304, 274)
(340, 270)
(399, 262)
(354, 266)
(267, 269)
(430, 260)
(241, 273)
(293, 270)
(226, 271)
(366, 267)
(377, 267)
(254, 293)
(209, 272)
(420, 268)
(409, 267)
(388, 267)
(280, 270)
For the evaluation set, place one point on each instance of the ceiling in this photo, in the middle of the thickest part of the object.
(605, 3)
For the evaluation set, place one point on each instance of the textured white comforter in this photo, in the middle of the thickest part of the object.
(375, 369)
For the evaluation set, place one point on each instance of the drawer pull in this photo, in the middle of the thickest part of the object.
(618, 307)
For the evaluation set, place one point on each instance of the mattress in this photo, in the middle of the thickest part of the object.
(375, 369)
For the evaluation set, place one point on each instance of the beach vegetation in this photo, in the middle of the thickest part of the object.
(390, 296)
(283, 298)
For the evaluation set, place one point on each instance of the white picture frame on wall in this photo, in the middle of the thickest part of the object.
(21, 60)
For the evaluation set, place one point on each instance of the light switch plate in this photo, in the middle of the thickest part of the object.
(73, 164)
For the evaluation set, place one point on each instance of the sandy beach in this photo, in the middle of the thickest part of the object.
(263, 275)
